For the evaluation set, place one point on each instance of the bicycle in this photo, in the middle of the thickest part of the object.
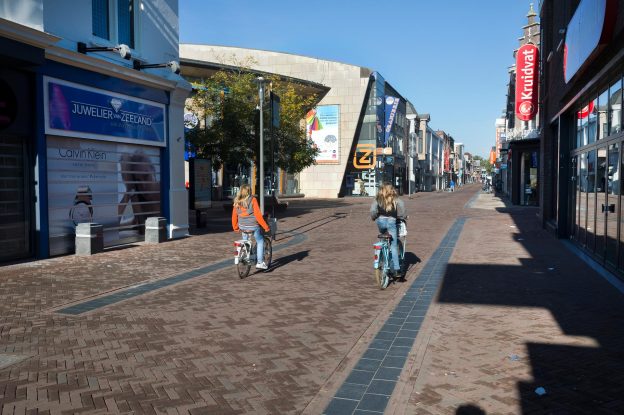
(383, 257)
(245, 255)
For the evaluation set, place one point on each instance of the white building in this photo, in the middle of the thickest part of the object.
(90, 135)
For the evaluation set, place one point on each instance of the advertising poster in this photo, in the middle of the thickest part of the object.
(323, 128)
(113, 184)
(201, 183)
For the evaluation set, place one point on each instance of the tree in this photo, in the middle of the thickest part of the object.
(226, 104)
(485, 164)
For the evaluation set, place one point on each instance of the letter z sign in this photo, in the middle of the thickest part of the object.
(364, 157)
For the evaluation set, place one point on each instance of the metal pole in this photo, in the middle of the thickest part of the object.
(273, 181)
(261, 95)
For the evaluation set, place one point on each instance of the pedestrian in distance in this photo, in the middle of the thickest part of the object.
(452, 185)
(386, 210)
(246, 216)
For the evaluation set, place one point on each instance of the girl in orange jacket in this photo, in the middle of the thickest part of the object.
(246, 216)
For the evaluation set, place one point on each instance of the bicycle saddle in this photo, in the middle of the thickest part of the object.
(248, 232)
(385, 235)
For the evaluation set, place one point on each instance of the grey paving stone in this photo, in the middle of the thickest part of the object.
(372, 402)
(339, 406)
(351, 391)
(382, 387)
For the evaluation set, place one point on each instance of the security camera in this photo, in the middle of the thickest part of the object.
(124, 51)
(175, 67)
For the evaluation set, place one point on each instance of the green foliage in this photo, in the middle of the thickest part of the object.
(485, 164)
(227, 105)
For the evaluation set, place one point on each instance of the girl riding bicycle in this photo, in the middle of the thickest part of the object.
(386, 210)
(246, 216)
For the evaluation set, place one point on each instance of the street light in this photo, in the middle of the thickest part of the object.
(260, 81)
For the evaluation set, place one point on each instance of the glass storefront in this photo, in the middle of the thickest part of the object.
(597, 161)
(378, 154)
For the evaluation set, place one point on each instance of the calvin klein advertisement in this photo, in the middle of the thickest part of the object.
(113, 184)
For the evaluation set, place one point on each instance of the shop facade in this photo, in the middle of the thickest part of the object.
(86, 135)
(583, 146)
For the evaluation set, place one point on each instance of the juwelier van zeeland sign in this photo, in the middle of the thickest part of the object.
(79, 111)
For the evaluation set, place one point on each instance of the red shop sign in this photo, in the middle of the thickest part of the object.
(527, 60)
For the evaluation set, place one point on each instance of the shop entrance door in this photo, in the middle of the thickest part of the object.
(14, 200)
(612, 210)
(602, 204)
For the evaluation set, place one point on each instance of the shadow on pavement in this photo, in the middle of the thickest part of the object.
(282, 261)
(409, 260)
(575, 378)
(219, 220)
(469, 410)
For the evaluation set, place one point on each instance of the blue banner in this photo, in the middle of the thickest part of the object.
(392, 103)
(77, 111)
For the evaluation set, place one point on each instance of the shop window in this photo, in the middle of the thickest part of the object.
(602, 119)
(592, 118)
(579, 130)
(615, 107)
(114, 20)
(583, 116)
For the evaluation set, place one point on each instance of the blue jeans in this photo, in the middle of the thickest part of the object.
(387, 223)
(259, 237)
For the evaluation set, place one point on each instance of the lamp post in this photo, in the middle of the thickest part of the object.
(260, 81)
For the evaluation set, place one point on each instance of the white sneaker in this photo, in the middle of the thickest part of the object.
(261, 265)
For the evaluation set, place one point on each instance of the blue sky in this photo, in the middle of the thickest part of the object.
(448, 57)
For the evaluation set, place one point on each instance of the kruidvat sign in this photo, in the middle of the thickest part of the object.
(590, 29)
(527, 60)
(392, 103)
(80, 111)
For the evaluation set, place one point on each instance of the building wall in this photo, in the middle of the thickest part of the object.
(348, 85)
(25, 12)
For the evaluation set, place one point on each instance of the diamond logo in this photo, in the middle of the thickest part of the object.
(116, 104)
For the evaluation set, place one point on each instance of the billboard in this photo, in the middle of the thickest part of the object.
(113, 184)
(323, 128)
(76, 110)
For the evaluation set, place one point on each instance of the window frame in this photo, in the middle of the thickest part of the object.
(113, 27)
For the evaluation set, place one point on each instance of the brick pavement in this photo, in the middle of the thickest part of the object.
(283, 341)
(213, 344)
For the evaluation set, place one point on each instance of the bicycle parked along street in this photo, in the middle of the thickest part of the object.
(245, 255)
(383, 255)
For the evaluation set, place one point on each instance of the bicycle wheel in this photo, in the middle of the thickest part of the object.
(381, 273)
(244, 264)
(268, 251)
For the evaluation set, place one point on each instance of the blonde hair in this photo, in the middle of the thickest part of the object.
(242, 196)
(386, 197)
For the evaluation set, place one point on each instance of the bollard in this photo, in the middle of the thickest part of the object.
(155, 230)
(89, 238)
